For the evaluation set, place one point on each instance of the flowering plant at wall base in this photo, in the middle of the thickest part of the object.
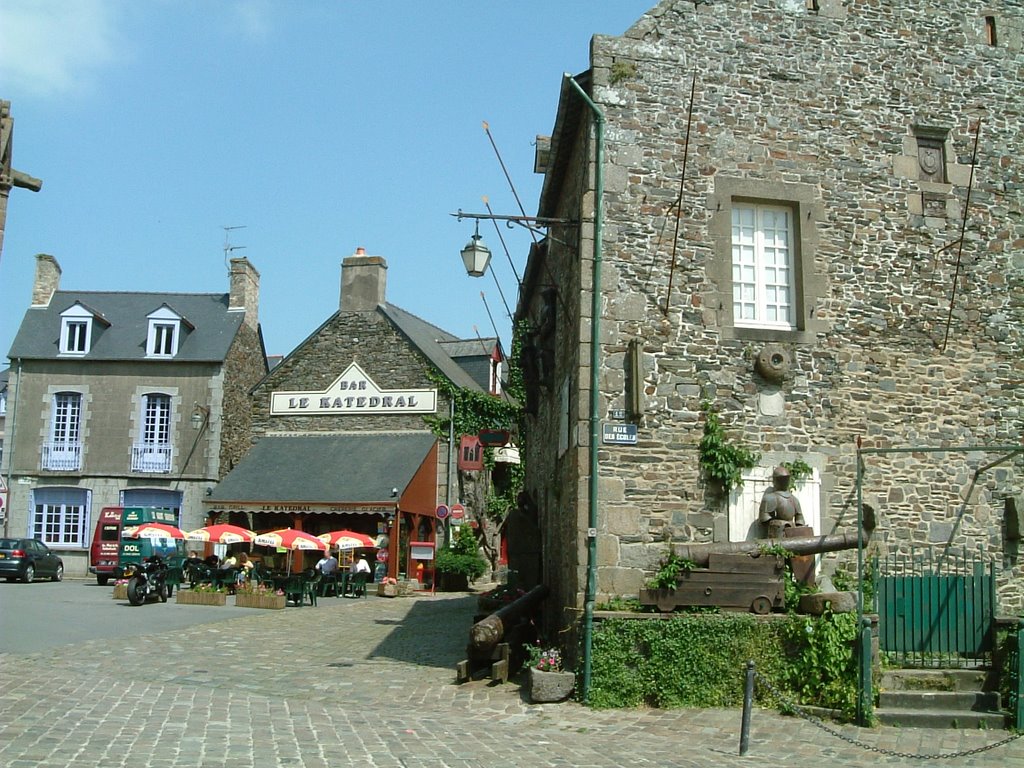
(544, 659)
(389, 580)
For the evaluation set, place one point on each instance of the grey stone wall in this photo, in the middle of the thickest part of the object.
(822, 111)
(244, 366)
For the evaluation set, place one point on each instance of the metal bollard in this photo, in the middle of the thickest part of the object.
(748, 702)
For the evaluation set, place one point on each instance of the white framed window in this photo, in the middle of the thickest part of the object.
(152, 453)
(75, 330)
(495, 377)
(62, 452)
(60, 516)
(763, 270)
(164, 333)
(164, 338)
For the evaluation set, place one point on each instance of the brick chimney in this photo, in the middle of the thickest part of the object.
(47, 280)
(363, 282)
(245, 291)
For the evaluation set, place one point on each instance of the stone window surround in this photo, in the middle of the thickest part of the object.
(807, 211)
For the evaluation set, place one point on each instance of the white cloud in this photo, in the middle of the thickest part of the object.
(254, 18)
(55, 47)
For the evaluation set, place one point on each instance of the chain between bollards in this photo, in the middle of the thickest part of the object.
(748, 702)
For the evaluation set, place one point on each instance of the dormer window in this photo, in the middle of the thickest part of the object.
(75, 330)
(164, 333)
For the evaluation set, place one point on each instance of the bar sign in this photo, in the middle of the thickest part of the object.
(619, 434)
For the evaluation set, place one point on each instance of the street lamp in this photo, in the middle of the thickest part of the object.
(476, 256)
(200, 416)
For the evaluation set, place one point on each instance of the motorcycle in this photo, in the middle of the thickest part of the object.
(147, 580)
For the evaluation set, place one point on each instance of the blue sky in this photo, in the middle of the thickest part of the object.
(319, 127)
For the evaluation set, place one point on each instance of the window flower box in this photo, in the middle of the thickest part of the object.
(257, 600)
(192, 597)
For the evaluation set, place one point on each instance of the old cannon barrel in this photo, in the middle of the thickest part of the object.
(700, 554)
(489, 631)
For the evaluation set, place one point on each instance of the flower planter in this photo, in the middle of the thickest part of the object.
(120, 591)
(188, 597)
(246, 600)
(550, 686)
(387, 590)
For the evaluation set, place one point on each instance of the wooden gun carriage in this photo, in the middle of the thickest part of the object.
(496, 641)
(739, 575)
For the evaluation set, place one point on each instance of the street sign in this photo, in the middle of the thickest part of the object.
(458, 514)
(493, 438)
(619, 434)
(441, 512)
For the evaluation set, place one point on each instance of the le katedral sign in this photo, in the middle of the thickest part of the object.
(353, 393)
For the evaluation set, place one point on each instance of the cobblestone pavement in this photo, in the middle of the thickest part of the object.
(370, 682)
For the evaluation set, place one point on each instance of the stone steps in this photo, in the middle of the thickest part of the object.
(939, 698)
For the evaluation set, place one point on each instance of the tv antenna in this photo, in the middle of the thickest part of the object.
(228, 247)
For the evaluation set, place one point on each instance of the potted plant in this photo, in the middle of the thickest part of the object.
(548, 681)
(121, 589)
(387, 587)
(202, 594)
(252, 595)
(460, 564)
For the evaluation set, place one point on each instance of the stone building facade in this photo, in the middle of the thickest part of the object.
(824, 244)
(341, 437)
(125, 399)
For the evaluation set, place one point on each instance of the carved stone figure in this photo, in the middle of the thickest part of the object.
(780, 509)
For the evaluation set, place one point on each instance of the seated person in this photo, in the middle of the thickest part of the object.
(244, 566)
(328, 564)
(213, 561)
(360, 566)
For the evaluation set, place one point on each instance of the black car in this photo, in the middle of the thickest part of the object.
(29, 559)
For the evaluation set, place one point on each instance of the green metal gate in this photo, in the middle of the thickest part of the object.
(936, 611)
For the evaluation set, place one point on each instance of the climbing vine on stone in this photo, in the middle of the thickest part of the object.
(723, 461)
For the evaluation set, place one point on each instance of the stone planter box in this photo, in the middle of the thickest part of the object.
(120, 591)
(387, 590)
(187, 597)
(550, 686)
(244, 600)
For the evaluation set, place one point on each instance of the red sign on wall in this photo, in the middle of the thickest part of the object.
(471, 453)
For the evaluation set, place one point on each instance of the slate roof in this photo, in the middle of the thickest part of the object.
(325, 468)
(208, 328)
(428, 338)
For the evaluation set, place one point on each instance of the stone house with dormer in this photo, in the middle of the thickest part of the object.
(341, 432)
(809, 217)
(125, 399)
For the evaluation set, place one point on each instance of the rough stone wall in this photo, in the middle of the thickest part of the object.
(823, 111)
(244, 366)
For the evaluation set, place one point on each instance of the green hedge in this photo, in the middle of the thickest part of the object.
(699, 660)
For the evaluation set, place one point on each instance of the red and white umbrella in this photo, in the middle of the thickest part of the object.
(154, 531)
(222, 534)
(290, 539)
(345, 539)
